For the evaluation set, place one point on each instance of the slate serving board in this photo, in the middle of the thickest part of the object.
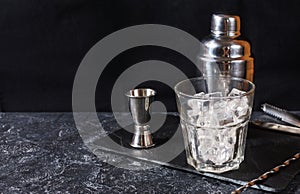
(265, 149)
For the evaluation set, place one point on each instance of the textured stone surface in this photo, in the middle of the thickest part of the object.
(43, 152)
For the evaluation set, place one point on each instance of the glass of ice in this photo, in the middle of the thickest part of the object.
(214, 114)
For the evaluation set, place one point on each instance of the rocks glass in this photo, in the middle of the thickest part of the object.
(214, 120)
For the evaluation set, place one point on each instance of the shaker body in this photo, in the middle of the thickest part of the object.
(222, 53)
(226, 57)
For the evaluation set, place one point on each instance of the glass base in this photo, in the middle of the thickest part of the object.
(205, 167)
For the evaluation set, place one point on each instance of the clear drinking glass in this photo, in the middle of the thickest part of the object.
(214, 115)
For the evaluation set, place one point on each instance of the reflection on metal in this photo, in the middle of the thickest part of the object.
(277, 127)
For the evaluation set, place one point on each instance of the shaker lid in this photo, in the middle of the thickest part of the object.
(228, 25)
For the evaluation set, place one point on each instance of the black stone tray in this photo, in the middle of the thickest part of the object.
(265, 149)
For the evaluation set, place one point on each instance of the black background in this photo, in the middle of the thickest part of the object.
(42, 43)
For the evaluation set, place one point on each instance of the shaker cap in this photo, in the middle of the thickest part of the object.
(228, 25)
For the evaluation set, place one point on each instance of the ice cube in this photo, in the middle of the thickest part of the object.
(192, 103)
(222, 119)
(239, 106)
(198, 105)
(220, 104)
(236, 92)
(223, 156)
(216, 146)
(198, 112)
(192, 113)
(221, 114)
(201, 94)
(216, 155)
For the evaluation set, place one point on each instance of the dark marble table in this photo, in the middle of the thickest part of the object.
(44, 153)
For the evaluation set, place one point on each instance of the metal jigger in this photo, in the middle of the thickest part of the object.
(139, 105)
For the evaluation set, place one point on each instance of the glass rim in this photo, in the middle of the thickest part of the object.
(251, 91)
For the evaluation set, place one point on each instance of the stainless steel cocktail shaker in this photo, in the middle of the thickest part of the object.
(222, 52)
